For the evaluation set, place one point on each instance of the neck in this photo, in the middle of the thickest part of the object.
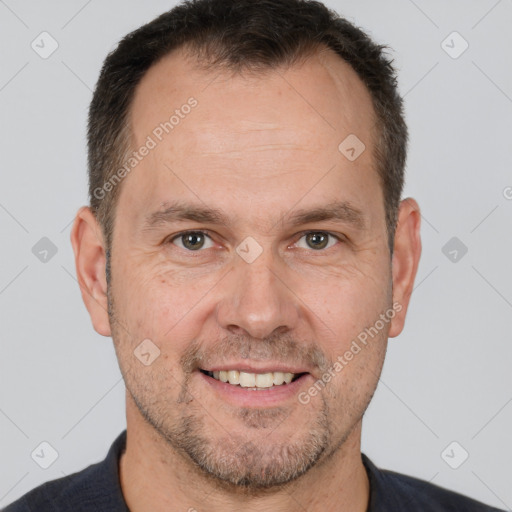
(154, 477)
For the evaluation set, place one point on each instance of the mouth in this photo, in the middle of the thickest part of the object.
(254, 381)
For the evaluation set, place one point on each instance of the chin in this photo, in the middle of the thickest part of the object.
(261, 458)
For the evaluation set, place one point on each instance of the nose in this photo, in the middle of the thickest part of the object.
(257, 300)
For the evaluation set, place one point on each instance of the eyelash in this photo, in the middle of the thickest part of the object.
(207, 233)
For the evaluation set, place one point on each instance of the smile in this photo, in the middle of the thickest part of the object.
(253, 381)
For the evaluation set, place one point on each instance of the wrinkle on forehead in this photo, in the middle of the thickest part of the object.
(323, 92)
(264, 140)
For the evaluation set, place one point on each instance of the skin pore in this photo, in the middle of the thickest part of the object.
(257, 148)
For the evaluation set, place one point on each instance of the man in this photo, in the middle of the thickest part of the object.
(247, 249)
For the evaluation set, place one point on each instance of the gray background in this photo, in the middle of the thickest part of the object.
(447, 376)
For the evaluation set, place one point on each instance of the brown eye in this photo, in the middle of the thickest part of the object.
(318, 240)
(191, 240)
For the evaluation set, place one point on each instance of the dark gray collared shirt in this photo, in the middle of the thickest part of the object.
(97, 489)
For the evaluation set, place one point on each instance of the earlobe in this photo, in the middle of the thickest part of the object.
(406, 257)
(90, 261)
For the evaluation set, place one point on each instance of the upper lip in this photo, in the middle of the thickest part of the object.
(267, 367)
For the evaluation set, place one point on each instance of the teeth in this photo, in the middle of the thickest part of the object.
(278, 378)
(234, 377)
(247, 380)
(253, 380)
(264, 380)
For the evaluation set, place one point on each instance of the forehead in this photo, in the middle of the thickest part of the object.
(321, 94)
(250, 135)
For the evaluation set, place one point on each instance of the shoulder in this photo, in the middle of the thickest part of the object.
(94, 488)
(56, 494)
(399, 492)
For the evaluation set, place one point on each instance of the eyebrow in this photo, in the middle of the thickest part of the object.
(339, 211)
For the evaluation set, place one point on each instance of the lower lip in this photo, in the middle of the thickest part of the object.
(246, 397)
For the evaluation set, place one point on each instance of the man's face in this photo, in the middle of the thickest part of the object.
(258, 149)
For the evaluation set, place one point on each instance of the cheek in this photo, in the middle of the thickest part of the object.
(346, 302)
(171, 304)
(161, 304)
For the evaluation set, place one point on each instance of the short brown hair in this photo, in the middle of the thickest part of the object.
(239, 35)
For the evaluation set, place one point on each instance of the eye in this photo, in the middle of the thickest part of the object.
(192, 240)
(318, 240)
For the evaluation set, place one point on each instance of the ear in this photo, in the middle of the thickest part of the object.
(90, 261)
(406, 257)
